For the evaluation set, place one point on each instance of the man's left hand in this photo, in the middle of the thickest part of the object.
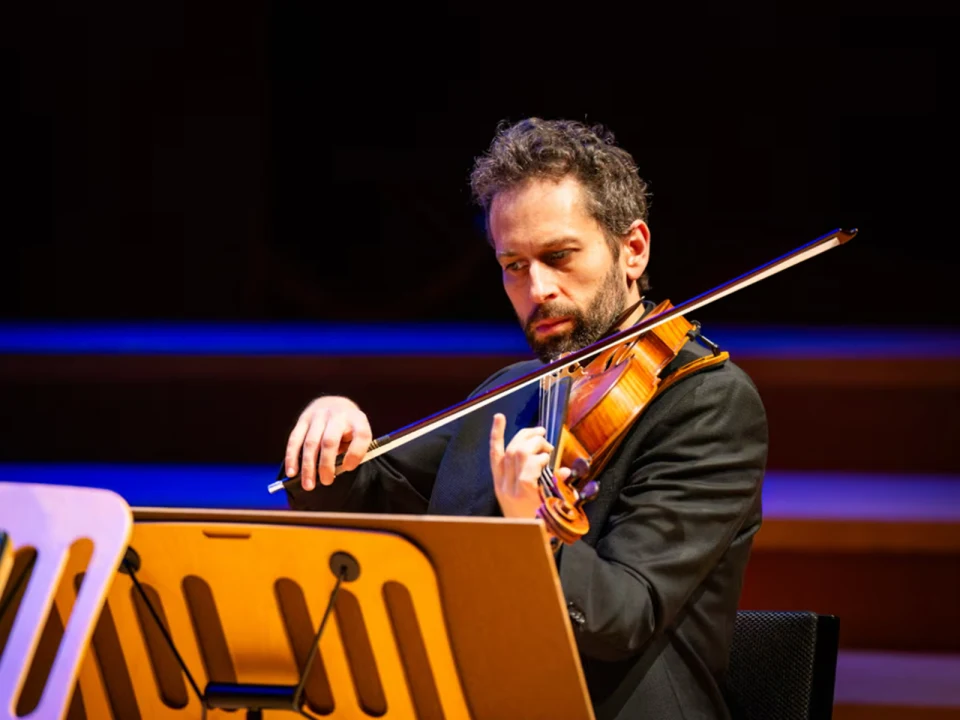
(516, 468)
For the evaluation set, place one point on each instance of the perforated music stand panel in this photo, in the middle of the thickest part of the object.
(451, 617)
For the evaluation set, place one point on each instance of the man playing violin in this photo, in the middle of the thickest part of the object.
(653, 587)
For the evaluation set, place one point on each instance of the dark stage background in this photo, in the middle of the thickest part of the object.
(249, 161)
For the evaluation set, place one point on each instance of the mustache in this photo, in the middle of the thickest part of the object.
(548, 312)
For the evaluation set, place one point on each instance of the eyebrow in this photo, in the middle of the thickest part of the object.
(547, 246)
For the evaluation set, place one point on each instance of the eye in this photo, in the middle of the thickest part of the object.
(515, 267)
(555, 257)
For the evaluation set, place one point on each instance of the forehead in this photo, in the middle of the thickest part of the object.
(539, 212)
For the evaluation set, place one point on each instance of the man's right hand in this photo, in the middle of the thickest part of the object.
(328, 426)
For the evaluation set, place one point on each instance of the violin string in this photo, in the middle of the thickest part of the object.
(544, 421)
(551, 416)
(551, 411)
(552, 403)
(543, 397)
(558, 428)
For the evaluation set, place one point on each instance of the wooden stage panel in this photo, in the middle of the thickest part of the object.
(897, 686)
(880, 551)
(876, 415)
(884, 600)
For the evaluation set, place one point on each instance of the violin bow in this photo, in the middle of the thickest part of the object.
(386, 443)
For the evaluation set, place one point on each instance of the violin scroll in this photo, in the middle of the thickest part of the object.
(562, 509)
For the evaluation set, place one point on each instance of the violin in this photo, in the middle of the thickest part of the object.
(590, 398)
(587, 409)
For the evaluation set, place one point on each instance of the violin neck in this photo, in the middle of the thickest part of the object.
(554, 401)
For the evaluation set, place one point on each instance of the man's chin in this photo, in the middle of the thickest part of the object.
(549, 346)
(551, 350)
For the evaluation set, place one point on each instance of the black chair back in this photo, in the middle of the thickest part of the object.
(783, 666)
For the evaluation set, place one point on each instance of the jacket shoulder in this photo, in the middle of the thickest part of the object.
(724, 389)
(507, 374)
(726, 372)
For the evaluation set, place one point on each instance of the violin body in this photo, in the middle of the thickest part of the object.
(608, 395)
(614, 388)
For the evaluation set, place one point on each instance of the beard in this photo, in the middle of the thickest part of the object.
(589, 326)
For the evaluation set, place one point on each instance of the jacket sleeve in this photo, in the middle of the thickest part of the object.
(400, 481)
(694, 479)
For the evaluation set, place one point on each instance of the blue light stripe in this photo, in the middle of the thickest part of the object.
(786, 494)
(335, 339)
(261, 339)
(161, 485)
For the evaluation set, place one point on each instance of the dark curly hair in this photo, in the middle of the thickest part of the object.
(536, 148)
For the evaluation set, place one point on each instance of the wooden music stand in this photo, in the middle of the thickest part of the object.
(434, 617)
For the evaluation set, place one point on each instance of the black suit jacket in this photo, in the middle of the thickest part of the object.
(653, 588)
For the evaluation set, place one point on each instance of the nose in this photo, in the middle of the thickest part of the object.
(543, 284)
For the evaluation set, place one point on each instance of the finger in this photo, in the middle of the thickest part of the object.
(496, 447)
(539, 445)
(531, 469)
(329, 447)
(527, 438)
(292, 457)
(537, 431)
(360, 443)
(311, 446)
(525, 444)
(518, 461)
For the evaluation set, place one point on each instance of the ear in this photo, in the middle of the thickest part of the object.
(635, 251)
